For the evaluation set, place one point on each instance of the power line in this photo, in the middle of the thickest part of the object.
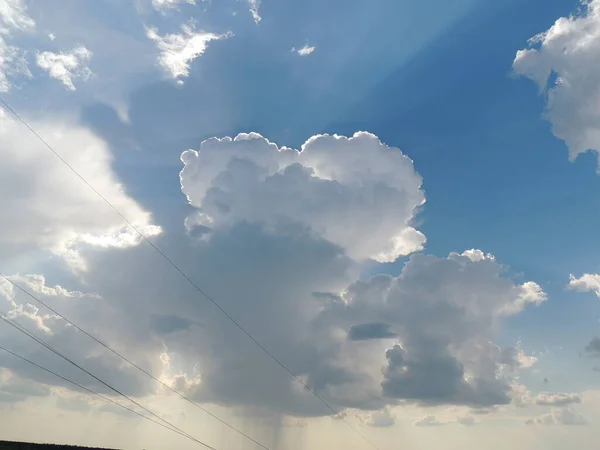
(26, 292)
(23, 330)
(103, 397)
(184, 275)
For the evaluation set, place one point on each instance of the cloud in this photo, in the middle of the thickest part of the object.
(428, 421)
(368, 331)
(382, 419)
(556, 399)
(13, 16)
(467, 421)
(47, 206)
(254, 10)
(432, 421)
(177, 51)
(88, 310)
(66, 66)
(586, 283)
(13, 61)
(443, 321)
(324, 186)
(563, 62)
(593, 348)
(13, 64)
(304, 51)
(558, 416)
(444, 311)
(162, 5)
(278, 233)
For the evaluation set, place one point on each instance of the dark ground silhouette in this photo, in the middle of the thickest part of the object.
(6, 445)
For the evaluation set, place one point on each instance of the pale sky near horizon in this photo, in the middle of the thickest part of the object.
(398, 200)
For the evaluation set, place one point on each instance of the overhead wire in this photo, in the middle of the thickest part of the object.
(91, 391)
(40, 341)
(124, 358)
(187, 278)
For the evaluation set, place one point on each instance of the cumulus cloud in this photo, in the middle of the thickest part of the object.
(66, 66)
(444, 311)
(443, 322)
(563, 62)
(586, 283)
(177, 51)
(304, 51)
(280, 233)
(558, 416)
(46, 206)
(382, 419)
(324, 186)
(13, 62)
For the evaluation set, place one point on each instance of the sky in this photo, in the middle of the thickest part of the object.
(339, 224)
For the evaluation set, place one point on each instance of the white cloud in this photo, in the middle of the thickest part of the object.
(382, 419)
(46, 206)
(467, 421)
(66, 66)
(13, 16)
(13, 61)
(355, 192)
(429, 421)
(569, 52)
(304, 51)
(288, 232)
(254, 10)
(177, 51)
(586, 283)
(556, 399)
(162, 5)
(51, 36)
(558, 416)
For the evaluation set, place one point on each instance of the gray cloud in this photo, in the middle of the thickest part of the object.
(593, 348)
(367, 331)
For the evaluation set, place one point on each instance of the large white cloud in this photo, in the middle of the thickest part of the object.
(45, 205)
(277, 240)
(356, 192)
(564, 62)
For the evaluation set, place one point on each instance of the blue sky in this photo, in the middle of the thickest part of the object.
(441, 81)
